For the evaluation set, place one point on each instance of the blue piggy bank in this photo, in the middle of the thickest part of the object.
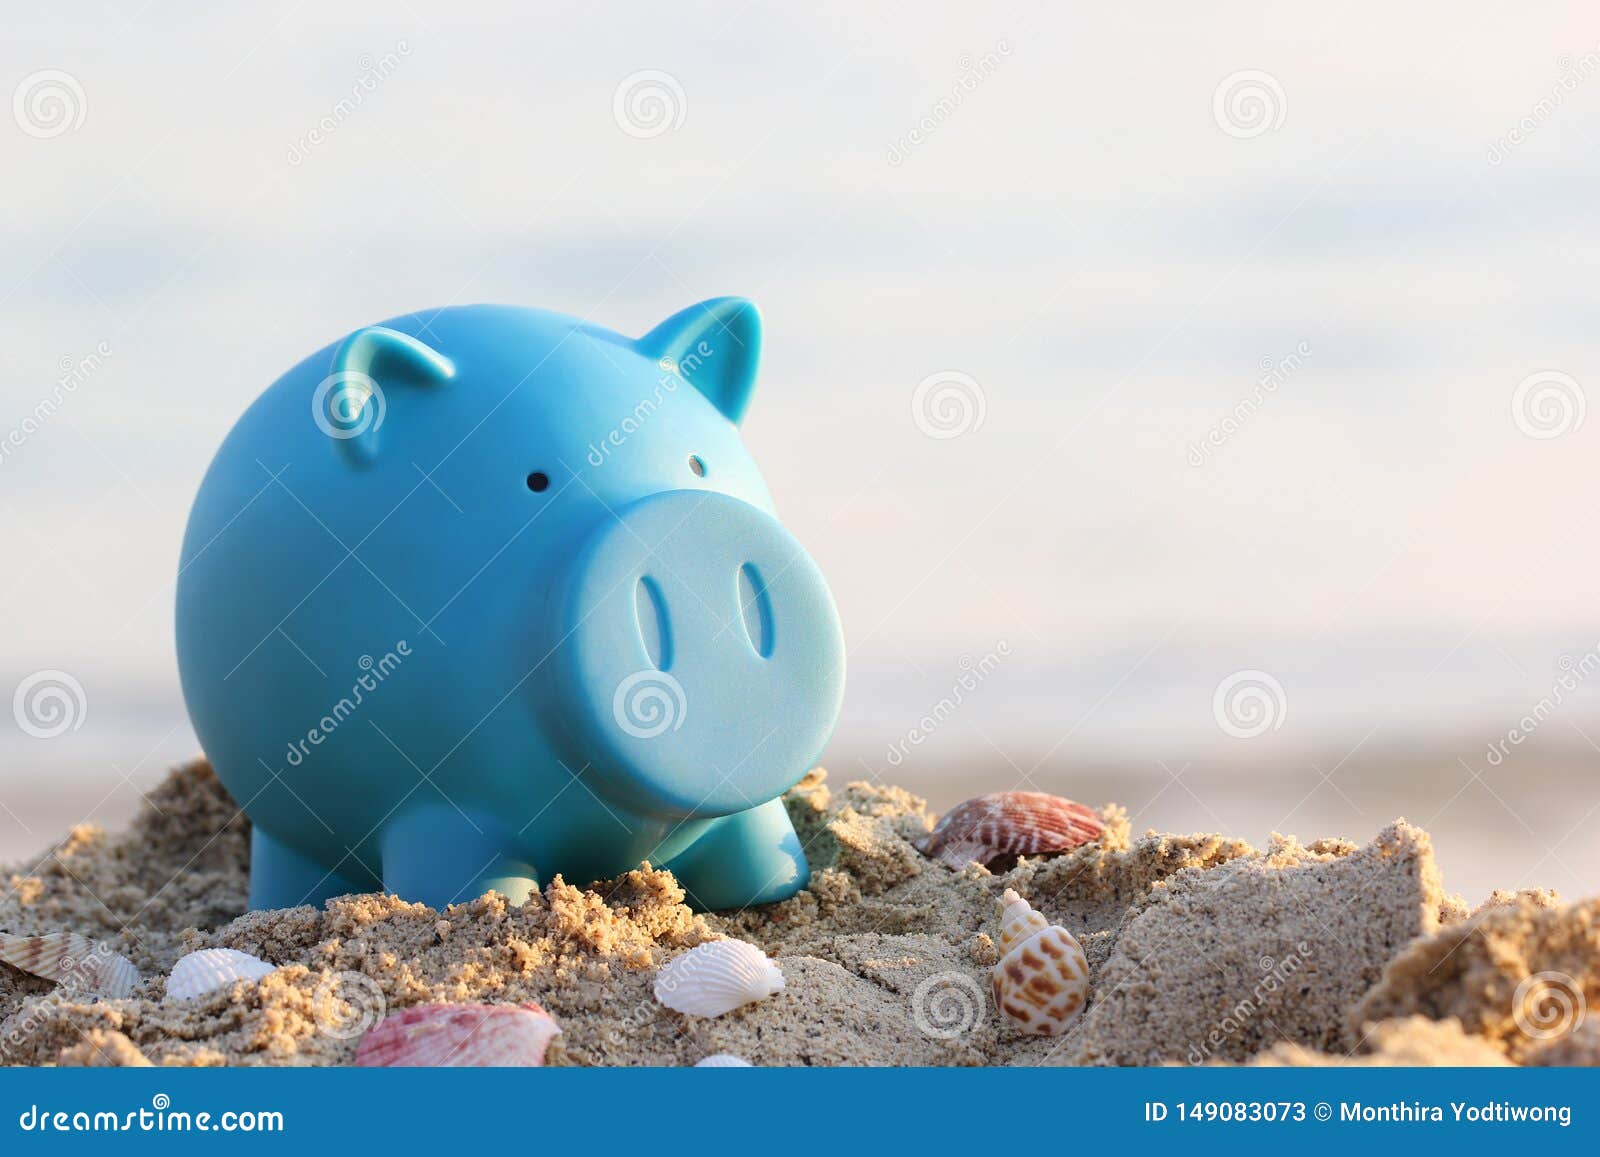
(482, 595)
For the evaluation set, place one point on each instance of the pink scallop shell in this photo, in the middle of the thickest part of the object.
(460, 1036)
(1008, 824)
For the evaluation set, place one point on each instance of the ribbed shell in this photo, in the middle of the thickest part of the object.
(212, 968)
(1007, 824)
(1018, 921)
(722, 1061)
(460, 1036)
(72, 961)
(717, 977)
(1041, 983)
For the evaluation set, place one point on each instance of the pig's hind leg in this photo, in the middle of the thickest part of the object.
(281, 877)
(438, 855)
(751, 857)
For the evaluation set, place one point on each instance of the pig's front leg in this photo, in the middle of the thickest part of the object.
(438, 855)
(281, 877)
(751, 857)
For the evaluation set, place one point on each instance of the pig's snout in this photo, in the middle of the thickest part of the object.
(701, 663)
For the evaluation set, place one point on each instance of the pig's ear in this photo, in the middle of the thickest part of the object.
(371, 364)
(715, 346)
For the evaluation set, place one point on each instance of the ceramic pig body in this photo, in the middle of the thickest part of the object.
(476, 597)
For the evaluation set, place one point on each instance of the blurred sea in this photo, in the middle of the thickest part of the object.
(1528, 822)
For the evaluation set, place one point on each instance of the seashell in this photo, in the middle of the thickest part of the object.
(722, 1061)
(1007, 824)
(1018, 921)
(1042, 980)
(717, 977)
(74, 962)
(460, 1036)
(212, 968)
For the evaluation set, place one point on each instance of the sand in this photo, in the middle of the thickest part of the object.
(1412, 1040)
(1201, 949)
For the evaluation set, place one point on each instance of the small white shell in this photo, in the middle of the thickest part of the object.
(212, 968)
(74, 962)
(717, 977)
(722, 1061)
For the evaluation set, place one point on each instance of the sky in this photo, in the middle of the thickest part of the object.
(1154, 347)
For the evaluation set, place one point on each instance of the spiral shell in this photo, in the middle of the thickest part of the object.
(212, 968)
(72, 961)
(992, 829)
(1042, 980)
(460, 1036)
(1018, 921)
(722, 1061)
(717, 977)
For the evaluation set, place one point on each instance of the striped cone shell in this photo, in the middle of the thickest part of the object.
(991, 829)
(74, 962)
(1041, 983)
(460, 1036)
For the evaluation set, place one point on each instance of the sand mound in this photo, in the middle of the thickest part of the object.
(1191, 979)
(1522, 973)
(1413, 1040)
(1200, 949)
(1581, 1046)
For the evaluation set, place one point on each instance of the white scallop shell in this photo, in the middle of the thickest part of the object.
(723, 1061)
(74, 962)
(212, 968)
(717, 977)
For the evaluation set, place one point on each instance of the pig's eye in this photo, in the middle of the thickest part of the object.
(538, 481)
(697, 465)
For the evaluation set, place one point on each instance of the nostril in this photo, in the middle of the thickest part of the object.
(654, 628)
(755, 606)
